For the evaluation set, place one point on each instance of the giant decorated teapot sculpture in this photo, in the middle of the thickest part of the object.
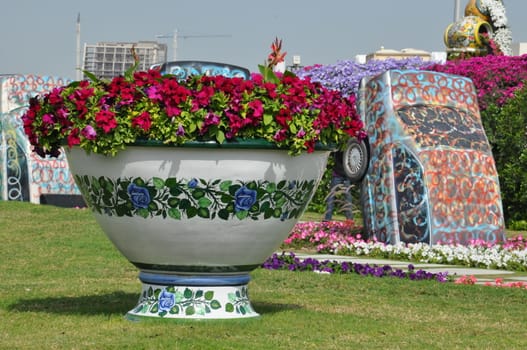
(482, 31)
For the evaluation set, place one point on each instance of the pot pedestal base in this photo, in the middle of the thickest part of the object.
(192, 297)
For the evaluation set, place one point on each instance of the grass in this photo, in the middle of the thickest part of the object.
(64, 286)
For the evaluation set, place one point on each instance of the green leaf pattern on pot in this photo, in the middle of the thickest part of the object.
(187, 198)
(184, 301)
(239, 302)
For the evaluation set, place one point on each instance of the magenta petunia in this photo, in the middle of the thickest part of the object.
(144, 121)
(106, 120)
(292, 112)
(89, 132)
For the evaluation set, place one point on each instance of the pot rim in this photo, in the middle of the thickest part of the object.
(231, 144)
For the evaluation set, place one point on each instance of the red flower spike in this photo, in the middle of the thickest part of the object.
(276, 56)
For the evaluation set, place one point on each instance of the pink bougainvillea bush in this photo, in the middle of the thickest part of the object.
(496, 78)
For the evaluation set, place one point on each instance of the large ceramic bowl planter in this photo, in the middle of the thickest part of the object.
(195, 220)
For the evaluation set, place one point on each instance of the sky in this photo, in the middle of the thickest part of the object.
(39, 37)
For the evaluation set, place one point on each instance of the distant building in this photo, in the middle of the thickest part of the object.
(383, 54)
(109, 59)
(361, 59)
(519, 49)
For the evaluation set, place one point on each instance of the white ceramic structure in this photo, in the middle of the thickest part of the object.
(195, 220)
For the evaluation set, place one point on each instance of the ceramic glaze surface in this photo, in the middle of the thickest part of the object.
(197, 211)
(466, 33)
(193, 302)
(474, 8)
(196, 220)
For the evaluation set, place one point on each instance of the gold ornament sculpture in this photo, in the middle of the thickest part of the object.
(482, 31)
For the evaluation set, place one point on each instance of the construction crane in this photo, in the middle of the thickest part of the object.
(175, 36)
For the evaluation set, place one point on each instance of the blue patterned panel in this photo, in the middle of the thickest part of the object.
(410, 196)
(184, 69)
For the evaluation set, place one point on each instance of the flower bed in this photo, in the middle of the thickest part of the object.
(292, 263)
(344, 238)
(321, 235)
(498, 282)
(104, 116)
(345, 75)
(496, 78)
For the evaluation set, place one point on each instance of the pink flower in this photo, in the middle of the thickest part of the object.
(180, 131)
(73, 138)
(280, 135)
(89, 132)
(143, 121)
(153, 93)
(466, 280)
(48, 119)
(257, 108)
(301, 133)
(106, 120)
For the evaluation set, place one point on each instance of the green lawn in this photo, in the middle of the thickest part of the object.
(64, 286)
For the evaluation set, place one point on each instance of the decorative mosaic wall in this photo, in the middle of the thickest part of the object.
(24, 176)
(431, 176)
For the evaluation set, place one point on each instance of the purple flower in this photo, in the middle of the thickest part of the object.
(212, 119)
(345, 75)
(89, 132)
(180, 131)
(346, 267)
(292, 263)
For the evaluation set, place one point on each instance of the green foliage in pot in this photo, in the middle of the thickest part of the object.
(105, 116)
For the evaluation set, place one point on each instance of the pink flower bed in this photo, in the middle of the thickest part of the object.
(323, 235)
(498, 282)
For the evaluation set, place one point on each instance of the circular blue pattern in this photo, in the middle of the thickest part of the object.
(192, 183)
(139, 196)
(244, 198)
(166, 300)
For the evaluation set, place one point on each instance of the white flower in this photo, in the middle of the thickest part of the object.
(478, 256)
(502, 34)
(503, 38)
(496, 10)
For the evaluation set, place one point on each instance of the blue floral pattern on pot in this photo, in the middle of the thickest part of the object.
(179, 198)
(174, 301)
